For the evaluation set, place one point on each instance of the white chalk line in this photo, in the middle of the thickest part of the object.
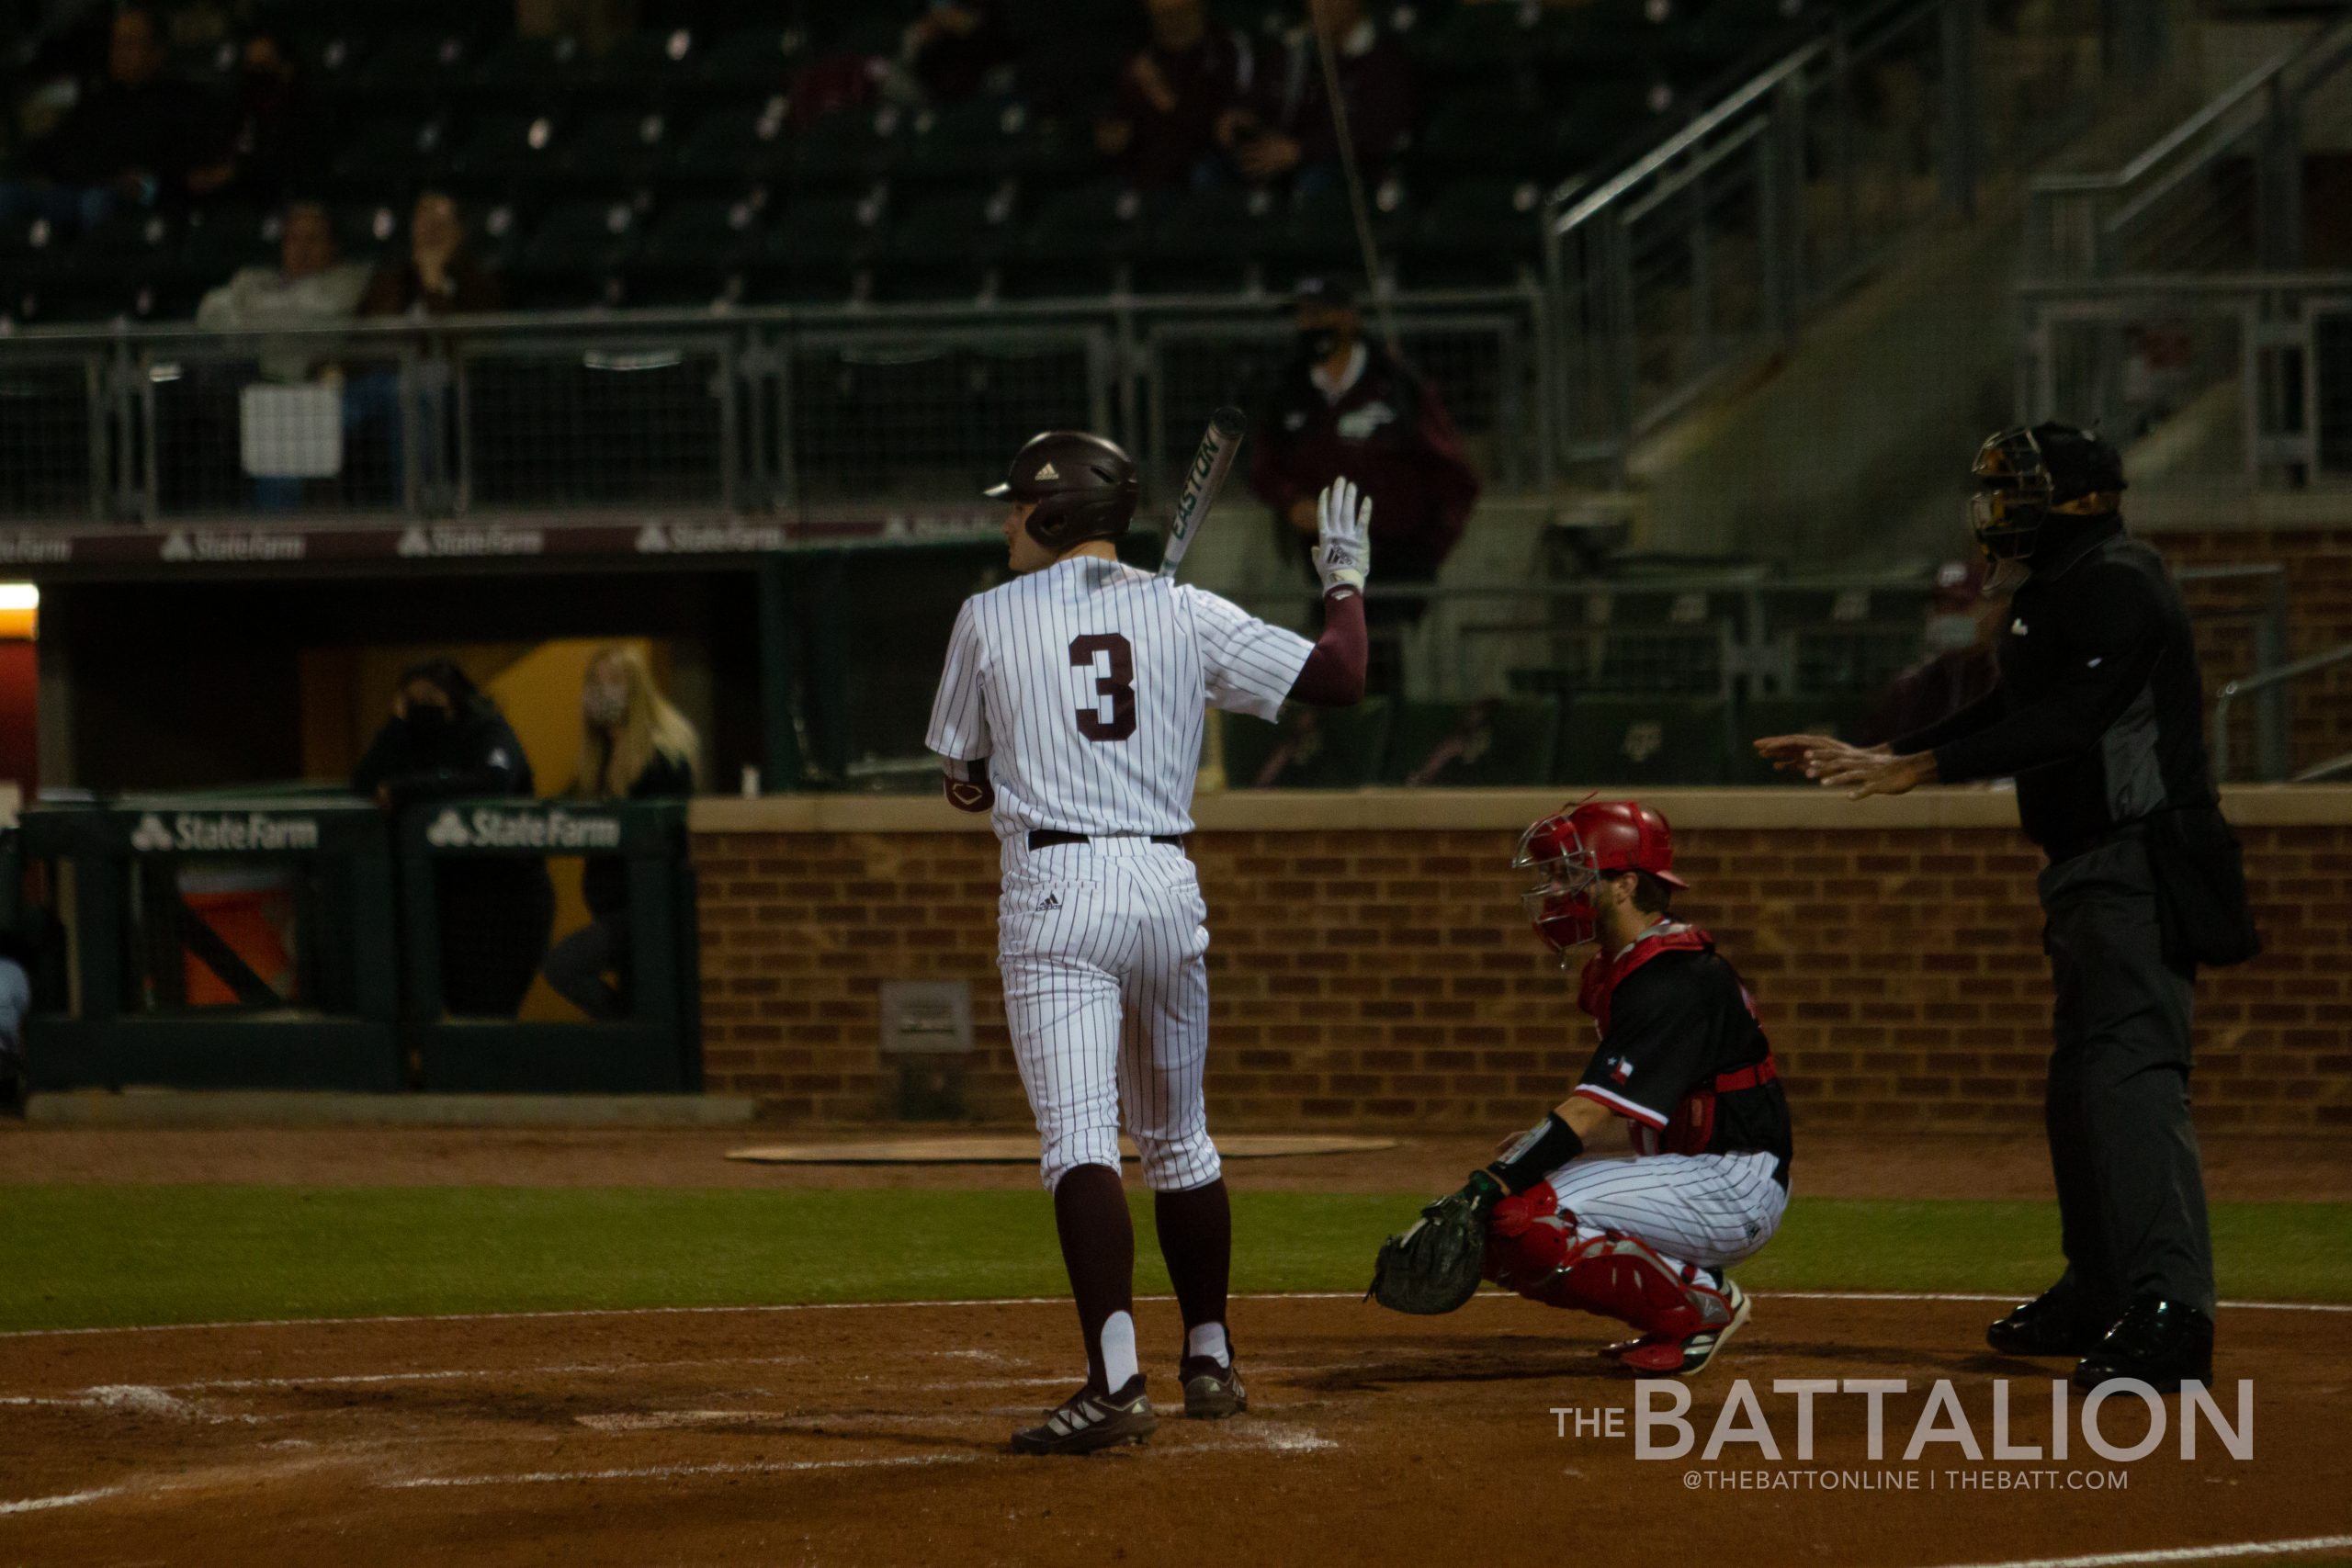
(1256, 1437)
(2180, 1553)
(1002, 1301)
(63, 1500)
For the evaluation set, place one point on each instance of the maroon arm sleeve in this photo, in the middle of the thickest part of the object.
(968, 788)
(1333, 676)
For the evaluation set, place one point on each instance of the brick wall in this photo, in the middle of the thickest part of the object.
(1380, 975)
(2319, 589)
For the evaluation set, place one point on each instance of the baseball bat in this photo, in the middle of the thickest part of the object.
(1211, 463)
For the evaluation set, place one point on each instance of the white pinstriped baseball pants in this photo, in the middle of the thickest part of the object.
(1107, 993)
(1712, 1210)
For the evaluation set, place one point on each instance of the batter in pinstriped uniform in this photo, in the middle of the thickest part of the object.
(1072, 709)
(1682, 1060)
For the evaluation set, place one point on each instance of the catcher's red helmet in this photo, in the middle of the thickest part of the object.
(1576, 848)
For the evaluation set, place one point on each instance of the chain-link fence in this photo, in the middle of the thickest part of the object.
(722, 413)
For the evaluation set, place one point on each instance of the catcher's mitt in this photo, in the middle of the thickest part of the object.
(1435, 1267)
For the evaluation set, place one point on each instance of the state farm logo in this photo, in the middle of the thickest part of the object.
(217, 832)
(493, 827)
(231, 545)
(710, 538)
(449, 540)
(28, 549)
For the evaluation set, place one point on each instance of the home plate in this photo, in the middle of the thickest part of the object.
(1021, 1148)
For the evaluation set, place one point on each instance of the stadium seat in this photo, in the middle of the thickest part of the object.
(1206, 241)
(418, 70)
(979, 142)
(755, 61)
(1474, 137)
(1486, 745)
(701, 250)
(392, 156)
(1477, 234)
(621, 147)
(574, 256)
(825, 246)
(1310, 747)
(1079, 242)
(945, 248)
(1644, 741)
(734, 148)
(1839, 714)
(219, 239)
(508, 151)
(846, 150)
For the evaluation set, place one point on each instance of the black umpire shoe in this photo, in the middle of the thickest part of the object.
(1212, 1389)
(2163, 1344)
(2053, 1323)
(1091, 1420)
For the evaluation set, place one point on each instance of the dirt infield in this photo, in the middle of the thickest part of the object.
(875, 1435)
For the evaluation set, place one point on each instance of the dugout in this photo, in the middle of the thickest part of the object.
(296, 940)
(655, 1049)
(235, 940)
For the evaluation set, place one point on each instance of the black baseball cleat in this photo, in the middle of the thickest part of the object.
(2053, 1323)
(1091, 1420)
(2163, 1344)
(1212, 1389)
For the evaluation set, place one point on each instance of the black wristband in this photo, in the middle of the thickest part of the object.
(1545, 1148)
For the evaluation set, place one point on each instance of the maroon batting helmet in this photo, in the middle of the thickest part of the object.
(1083, 487)
(1576, 848)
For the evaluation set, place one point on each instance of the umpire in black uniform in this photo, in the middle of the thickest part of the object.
(2099, 717)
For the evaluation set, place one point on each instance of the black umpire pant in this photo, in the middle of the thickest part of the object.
(2130, 1188)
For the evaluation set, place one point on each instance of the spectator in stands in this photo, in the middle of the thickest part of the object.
(1169, 99)
(634, 745)
(309, 287)
(1286, 132)
(952, 47)
(439, 277)
(1962, 623)
(274, 128)
(1348, 407)
(447, 740)
(136, 139)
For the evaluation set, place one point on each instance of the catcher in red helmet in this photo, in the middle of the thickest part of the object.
(1682, 1061)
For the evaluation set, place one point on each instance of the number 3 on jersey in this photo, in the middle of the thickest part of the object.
(1117, 688)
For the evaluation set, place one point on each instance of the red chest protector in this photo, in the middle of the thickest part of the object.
(1692, 1127)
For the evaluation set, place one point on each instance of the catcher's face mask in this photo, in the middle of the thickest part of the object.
(1560, 906)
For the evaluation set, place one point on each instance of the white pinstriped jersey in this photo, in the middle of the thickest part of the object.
(1085, 687)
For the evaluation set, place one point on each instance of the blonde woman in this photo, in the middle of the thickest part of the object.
(633, 745)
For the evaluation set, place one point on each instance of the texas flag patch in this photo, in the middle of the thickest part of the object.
(1620, 1069)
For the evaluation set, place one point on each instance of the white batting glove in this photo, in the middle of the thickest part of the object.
(1342, 536)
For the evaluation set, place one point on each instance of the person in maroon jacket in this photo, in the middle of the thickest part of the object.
(1286, 132)
(1347, 407)
(1169, 99)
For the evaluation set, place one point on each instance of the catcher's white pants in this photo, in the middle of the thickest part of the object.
(1712, 1210)
(1098, 942)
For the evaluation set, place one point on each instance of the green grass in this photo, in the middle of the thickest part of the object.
(89, 1255)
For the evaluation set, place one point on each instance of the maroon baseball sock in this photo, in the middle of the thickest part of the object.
(1196, 1238)
(1099, 1250)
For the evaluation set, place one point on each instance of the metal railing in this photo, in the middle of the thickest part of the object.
(1705, 255)
(2265, 680)
(2222, 191)
(680, 412)
(2167, 300)
(2245, 378)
